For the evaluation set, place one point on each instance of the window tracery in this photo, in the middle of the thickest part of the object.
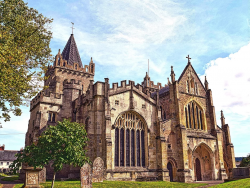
(194, 116)
(130, 140)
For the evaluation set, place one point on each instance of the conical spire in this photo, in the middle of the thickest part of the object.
(70, 52)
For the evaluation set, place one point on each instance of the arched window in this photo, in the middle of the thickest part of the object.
(76, 67)
(196, 88)
(161, 112)
(201, 120)
(64, 64)
(92, 68)
(189, 116)
(193, 115)
(197, 114)
(186, 117)
(86, 69)
(187, 86)
(58, 63)
(130, 140)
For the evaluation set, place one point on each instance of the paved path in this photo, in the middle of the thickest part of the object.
(8, 184)
(210, 183)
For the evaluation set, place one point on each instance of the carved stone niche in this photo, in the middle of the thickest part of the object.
(32, 177)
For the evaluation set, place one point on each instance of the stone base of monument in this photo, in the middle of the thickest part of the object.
(32, 177)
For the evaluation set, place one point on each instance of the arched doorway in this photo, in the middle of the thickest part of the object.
(170, 169)
(203, 158)
(198, 169)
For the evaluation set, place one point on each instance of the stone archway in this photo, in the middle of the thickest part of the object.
(203, 163)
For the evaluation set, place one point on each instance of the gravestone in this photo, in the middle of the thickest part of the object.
(98, 170)
(86, 176)
(42, 175)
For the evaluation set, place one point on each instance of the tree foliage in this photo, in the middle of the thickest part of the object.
(60, 144)
(245, 161)
(24, 54)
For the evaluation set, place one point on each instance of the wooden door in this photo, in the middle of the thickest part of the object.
(198, 169)
(170, 169)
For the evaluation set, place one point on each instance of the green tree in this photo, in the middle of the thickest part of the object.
(245, 161)
(24, 54)
(60, 144)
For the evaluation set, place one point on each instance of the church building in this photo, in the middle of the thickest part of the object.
(141, 131)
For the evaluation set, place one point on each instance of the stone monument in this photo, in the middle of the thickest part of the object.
(32, 177)
(98, 170)
(86, 176)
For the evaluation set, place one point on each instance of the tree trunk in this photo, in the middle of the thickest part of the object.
(54, 176)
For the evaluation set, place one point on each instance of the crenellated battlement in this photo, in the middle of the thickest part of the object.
(46, 97)
(72, 84)
(124, 86)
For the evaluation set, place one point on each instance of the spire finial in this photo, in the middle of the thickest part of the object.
(172, 75)
(206, 83)
(222, 115)
(72, 27)
(169, 81)
(222, 118)
(188, 59)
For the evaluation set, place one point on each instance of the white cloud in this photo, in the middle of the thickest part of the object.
(123, 32)
(229, 80)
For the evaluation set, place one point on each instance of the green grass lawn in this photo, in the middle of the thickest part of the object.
(243, 183)
(11, 178)
(3, 175)
(119, 184)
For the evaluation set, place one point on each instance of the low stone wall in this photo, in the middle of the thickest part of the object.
(241, 172)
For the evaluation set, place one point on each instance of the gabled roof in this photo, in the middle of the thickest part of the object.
(183, 72)
(70, 52)
(8, 155)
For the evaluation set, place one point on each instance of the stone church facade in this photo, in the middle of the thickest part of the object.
(142, 131)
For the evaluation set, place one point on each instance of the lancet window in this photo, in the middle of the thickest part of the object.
(130, 140)
(194, 116)
(187, 87)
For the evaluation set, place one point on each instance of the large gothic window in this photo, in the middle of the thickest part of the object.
(194, 116)
(130, 140)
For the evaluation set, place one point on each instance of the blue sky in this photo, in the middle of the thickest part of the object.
(122, 35)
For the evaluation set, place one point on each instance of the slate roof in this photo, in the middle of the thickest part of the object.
(8, 155)
(161, 91)
(70, 52)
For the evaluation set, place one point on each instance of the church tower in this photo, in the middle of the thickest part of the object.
(65, 80)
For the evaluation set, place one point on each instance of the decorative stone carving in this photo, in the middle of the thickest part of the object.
(32, 177)
(86, 176)
(98, 170)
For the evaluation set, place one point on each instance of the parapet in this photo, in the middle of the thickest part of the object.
(72, 84)
(124, 86)
(46, 97)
